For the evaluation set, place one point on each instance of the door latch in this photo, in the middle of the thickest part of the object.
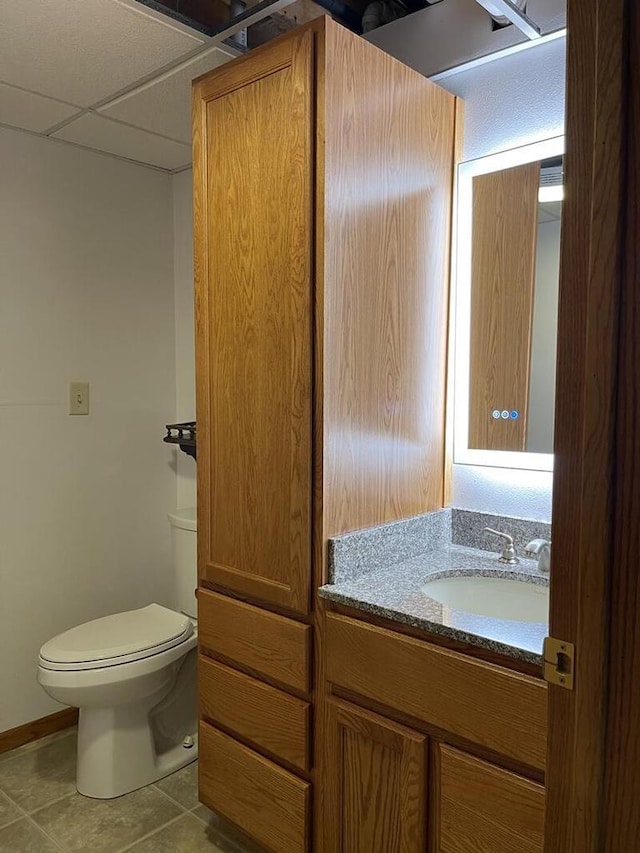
(559, 662)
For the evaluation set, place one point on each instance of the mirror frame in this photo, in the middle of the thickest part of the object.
(460, 322)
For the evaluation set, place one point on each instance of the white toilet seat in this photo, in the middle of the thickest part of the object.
(112, 685)
(117, 640)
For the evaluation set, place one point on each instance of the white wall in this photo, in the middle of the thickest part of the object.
(86, 292)
(185, 358)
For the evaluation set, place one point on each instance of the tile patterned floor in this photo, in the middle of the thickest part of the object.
(41, 811)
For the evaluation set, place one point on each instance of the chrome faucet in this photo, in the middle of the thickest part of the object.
(508, 552)
(541, 549)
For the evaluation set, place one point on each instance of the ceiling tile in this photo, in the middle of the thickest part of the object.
(164, 104)
(103, 134)
(31, 112)
(83, 51)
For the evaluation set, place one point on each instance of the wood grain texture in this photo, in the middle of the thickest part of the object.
(37, 729)
(440, 640)
(376, 796)
(622, 751)
(269, 803)
(264, 642)
(321, 832)
(253, 219)
(504, 233)
(271, 720)
(501, 710)
(439, 735)
(365, 251)
(458, 150)
(585, 431)
(483, 809)
(387, 154)
(384, 174)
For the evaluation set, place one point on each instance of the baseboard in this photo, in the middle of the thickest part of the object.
(37, 729)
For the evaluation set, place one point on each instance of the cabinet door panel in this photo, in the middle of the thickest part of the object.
(484, 809)
(375, 785)
(253, 221)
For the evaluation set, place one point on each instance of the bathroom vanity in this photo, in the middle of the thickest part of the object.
(428, 748)
(435, 712)
(322, 250)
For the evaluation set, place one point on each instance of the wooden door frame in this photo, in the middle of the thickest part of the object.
(589, 515)
(621, 815)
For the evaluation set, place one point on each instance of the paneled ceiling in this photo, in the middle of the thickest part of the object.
(110, 75)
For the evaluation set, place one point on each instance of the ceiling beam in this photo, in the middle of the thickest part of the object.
(517, 17)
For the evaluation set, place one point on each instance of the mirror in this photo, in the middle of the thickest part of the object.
(504, 310)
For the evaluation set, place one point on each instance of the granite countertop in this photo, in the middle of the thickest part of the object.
(394, 592)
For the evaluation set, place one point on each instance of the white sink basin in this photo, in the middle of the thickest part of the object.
(494, 598)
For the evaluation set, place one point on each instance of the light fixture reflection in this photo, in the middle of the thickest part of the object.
(546, 194)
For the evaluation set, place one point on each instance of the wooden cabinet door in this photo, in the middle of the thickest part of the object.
(485, 809)
(375, 784)
(253, 168)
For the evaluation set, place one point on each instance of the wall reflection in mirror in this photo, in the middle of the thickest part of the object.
(506, 301)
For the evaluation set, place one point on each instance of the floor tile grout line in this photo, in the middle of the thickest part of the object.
(30, 816)
(151, 833)
(53, 802)
(46, 834)
(22, 810)
(11, 822)
(46, 805)
(27, 749)
(193, 812)
(169, 797)
(27, 817)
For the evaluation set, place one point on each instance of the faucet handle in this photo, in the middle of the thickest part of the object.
(508, 552)
(535, 546)
(540, 548)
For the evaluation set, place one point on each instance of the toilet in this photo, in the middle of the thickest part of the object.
(133, 677)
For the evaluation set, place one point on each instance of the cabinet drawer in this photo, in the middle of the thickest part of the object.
(268, 803)
(271, 645)
(272, 720)
(486, 809)
(502, 710)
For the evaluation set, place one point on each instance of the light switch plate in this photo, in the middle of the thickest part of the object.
(78, 398)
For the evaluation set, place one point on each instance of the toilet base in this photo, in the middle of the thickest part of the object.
(117, 753)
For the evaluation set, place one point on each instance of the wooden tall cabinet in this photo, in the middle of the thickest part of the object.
(322, 194)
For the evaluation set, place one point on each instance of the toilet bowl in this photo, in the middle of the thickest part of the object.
(132, 676)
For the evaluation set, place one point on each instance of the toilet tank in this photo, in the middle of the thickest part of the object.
(185, 561)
